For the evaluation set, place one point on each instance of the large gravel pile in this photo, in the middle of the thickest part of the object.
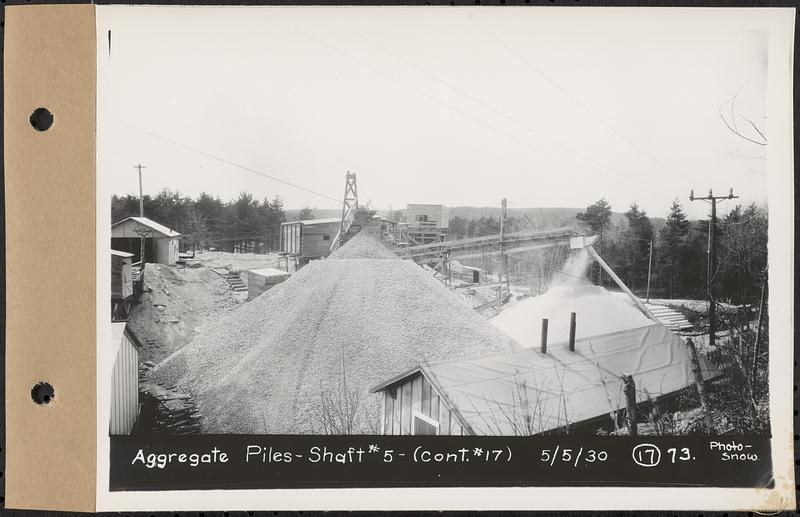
(264, 367)
(363, 246)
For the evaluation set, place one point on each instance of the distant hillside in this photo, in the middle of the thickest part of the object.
(542, 217)
(293, 214)
(538, 218)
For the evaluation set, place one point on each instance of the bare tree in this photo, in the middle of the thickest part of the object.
(741, 126)
(339, 405)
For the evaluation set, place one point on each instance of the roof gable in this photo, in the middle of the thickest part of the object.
(144, 221)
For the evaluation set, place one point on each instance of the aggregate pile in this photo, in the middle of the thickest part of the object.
(362, 246)
(330, 332)
(597, 310)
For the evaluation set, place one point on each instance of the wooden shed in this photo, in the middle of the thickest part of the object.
(124, 380)
(530, 392)
(310, 239)
(264, 279)
(121, 284)
(469, 274)
(412, 405)
(161, 243)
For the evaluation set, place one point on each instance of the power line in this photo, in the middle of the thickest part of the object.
(570, 96)
(495, 110)
(428, 96)
(128, 161)
(226, 161)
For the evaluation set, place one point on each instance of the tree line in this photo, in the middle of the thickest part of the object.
(678, 263)
(207, 221)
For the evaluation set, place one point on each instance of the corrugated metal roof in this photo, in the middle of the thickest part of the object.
(530, 392)
(269, 271)
(117, 331)
(160, 228)
(315, 221)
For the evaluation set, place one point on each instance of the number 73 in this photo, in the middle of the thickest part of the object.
(685, 454)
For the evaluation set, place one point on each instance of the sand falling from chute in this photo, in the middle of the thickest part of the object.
(597, 310)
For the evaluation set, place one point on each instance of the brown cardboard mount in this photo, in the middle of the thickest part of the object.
(50, 235)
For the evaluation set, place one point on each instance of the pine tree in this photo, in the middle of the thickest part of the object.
(596, 218)
(671, 248)
(636, 239)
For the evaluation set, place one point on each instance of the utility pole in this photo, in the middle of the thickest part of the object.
(649, 269)
(141, 210)
(712, 258)
(141, 199)
(503, 263)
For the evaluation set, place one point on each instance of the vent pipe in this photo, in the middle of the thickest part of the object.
(544, 336)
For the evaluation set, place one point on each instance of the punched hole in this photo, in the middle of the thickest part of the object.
(42, 393)
(41, 119)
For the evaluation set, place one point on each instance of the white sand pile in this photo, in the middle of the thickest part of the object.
(597, 310)
(363, 246)
(264, 367)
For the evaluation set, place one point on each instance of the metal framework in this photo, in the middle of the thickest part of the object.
(517, 242)
(349, 210)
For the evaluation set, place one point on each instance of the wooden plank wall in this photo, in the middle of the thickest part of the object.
(124, 389)
(314, 244)
(290, 237)
(416, 394)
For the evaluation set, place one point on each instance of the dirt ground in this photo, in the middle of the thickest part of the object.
(234, 261)
(178, 301)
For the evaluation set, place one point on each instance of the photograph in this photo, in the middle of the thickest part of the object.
(458, 222)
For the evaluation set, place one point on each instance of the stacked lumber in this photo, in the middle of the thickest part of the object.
(175, 411)
(669, 317)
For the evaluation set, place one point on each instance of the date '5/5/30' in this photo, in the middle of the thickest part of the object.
(572, 456)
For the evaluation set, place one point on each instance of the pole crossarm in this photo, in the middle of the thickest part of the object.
(712, 258)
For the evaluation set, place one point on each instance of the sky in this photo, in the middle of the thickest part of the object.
(547, 107)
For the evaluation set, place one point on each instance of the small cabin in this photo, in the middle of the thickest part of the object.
(124, 380)
(469, 274)
(121, 284)
(262, 280)
(161, 243)
(412, 405)
(540, 390)
(310, 239)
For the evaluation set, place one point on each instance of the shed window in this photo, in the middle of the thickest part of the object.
(423, 218)
(424, 425)
(326, 237)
